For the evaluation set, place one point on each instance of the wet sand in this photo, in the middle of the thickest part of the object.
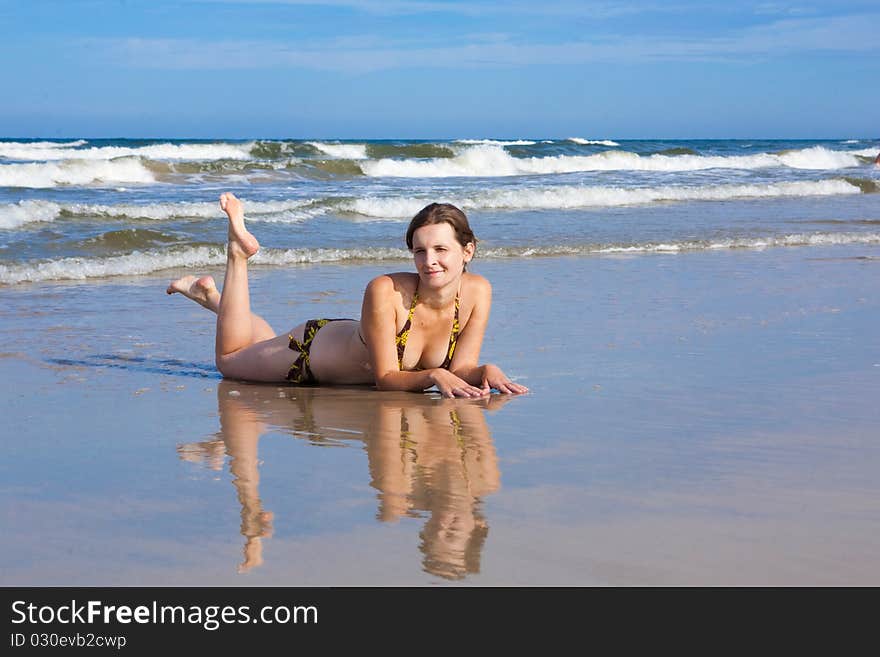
(695, 418)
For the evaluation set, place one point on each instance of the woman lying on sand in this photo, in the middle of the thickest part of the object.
(416, 330)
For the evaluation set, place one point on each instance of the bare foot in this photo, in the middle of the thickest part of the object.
(211, 453)
(241, 242)
(201, 290)
(253, 555)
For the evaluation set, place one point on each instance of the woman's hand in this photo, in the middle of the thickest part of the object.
(451, 385)
(493, 377)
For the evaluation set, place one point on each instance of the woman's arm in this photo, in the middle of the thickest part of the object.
(378, 325)
(465, 363)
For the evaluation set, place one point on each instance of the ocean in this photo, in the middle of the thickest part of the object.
(78, 209)
(695, 320)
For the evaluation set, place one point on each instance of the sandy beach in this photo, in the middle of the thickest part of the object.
(694, 418)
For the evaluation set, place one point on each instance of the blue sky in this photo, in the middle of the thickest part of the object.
(437, 69)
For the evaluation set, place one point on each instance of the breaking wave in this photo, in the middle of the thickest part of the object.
(867, 152)
(189, 258)
(14, 215)
(544, 198)
(32, 211)
(341, 151)
(569, 197)
(757, 243)
(74, 172)
(495, 142)
(45, 151)
(593, 142)
(493, 161)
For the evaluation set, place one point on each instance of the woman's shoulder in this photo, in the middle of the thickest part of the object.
(394, 283)
(476, 284)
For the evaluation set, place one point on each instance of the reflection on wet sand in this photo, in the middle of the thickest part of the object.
(428, 458)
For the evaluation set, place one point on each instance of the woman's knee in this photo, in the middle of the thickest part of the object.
(226, 366)
(234, 366)
(264, 362)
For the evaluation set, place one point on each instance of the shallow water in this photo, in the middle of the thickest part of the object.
(694, 418)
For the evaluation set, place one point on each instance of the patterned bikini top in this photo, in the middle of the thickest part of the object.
(404, 332)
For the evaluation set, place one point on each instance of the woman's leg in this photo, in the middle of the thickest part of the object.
(240, 353)
(234, 328)
(204, 292)
(241, 428)
(246, 347)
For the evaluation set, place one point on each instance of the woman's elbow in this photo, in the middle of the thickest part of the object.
(382, 384)
(385, 381)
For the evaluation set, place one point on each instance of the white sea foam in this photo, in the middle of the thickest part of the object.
(342, 151)
(310, 256)
(575, 196)
(793, 240)
(493, 161)
(74, 172)
(800, 239)
(818, 157)
(293, 211)
(385, 208)
(157, 211)
(194, 152)
(593, 142)
(14, 215)
(396, 208)
(141, 263)
(560, 198)
(285, 212)
(483, 160)
(23, 212)
(495, 142)
(132, 264)
(867, 152)
(290, 211)
(189, 258)
(40, 147)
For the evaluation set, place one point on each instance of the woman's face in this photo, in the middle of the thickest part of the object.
(439, 258)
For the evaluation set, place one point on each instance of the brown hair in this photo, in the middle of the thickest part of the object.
(442, 213)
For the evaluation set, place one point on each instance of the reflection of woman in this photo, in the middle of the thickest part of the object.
(428, 457)
(417, 330)
(439, 458)
(237, 422)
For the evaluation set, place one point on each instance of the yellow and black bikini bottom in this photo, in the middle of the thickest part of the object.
(301, 370)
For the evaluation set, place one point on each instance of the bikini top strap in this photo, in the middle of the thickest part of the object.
(453, 337)
(412, 306)
(404, 332)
